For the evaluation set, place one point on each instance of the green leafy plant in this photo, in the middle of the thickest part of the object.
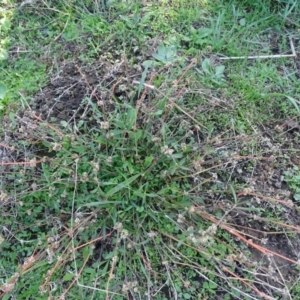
(215, 74)
(165, 54)
(199, 38)
(118, 169)
(292, 178)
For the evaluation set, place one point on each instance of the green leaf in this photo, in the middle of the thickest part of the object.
(204, 32)
(130, 118)
(68, 277)
(139, 134)
(220, 70)
(158, 113)
(122, 185)
(135, 135)
(159, 57)
(89, 270)
(294, 102)
(80, 149)
(206, 66)
(242, 22)
(80, 123)
(162, 104)
(3, 90)
(148, 161)
(6, 296)
(161, 49)
(128, 21)
(140, 209)
(165, 54)
(100, 203)
(170, 52)
(5, 25)
(177, 155)
(86, 252)
(109, 255)
(146, 64)
(64, 124)
(193, 30)
(164, 129)
(152, 195)
(297, 197)
(3, 54)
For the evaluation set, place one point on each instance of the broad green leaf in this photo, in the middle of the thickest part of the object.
(80, 123)
(147, 64)
(170, 52)
(186, 39)
(161, 49)
(297, 197)
(158, 113)
(109, 255)
(186, 296)
(148, 161)
(89, 270)
(165, 54)
(140, 209)
(159, 57)
(220, 70)
(242, 22)
(139, 134)
(135, 135)
(68, 277)
(6, 296)
(204, 32)
(206, 66)
(193, 30)
(64, 124)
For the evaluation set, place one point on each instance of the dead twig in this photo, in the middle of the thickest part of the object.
(293, 55)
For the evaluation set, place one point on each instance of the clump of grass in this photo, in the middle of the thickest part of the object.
(116, 209)
(140, 201)
(108, 203)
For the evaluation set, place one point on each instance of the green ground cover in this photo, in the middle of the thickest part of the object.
(139, 160)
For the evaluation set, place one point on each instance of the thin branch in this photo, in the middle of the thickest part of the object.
(294, 54)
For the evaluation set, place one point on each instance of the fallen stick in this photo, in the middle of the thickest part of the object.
(294, 54)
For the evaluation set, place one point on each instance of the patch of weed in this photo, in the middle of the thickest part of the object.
(155, 196)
